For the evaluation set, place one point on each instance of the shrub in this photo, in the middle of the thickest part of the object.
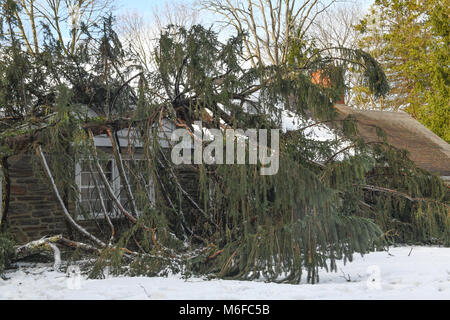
(6, 250)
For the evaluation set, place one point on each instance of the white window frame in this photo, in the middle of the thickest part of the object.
(115, 186)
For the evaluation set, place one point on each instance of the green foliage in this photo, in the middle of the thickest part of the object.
(421, 217)
(6, 250)
(278, 227)
(411, 40)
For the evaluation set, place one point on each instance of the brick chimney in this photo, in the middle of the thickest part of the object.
(325, 81)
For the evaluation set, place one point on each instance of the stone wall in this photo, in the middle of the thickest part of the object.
(34, 211)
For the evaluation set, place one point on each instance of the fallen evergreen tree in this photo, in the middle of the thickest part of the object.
(327, 202)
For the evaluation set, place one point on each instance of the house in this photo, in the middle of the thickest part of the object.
(426, 149)
(33, 209)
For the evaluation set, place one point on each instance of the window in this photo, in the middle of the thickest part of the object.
(89, 205)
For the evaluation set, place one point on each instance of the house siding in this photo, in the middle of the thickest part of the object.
(34, 211)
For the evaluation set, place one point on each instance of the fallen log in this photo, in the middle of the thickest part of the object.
(41, 246)
(49, 245)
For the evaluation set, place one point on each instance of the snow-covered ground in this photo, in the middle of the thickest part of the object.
(423, 273)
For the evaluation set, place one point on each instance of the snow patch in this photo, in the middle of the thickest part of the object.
(401, 273)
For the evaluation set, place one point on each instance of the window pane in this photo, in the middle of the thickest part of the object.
(89, 198)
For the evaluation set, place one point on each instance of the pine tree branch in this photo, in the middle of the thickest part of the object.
(61, 201)
(102, 203)
(106, 182)
(400, 194)
(123, 177)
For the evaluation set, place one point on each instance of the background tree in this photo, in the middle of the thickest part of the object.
(411, 40)
(269, 26)
(336, 28)
(64, 18)
(140, 33)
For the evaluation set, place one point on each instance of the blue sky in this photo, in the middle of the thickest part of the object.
(139, 5)
(145, 6)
